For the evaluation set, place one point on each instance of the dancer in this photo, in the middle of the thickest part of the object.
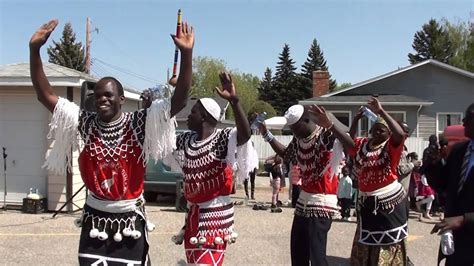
(116, 147)
(382, 223)
(208, 154)
(319, 157)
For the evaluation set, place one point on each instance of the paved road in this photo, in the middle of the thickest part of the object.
(263, 237)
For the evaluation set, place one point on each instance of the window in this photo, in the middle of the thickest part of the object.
(343, 116)
(447, 119)
(365, 124)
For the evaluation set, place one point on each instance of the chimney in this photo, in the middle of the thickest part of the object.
(320, 83)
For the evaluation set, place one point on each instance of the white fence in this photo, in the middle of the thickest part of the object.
(264, 149)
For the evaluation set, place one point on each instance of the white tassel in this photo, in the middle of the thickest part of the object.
(160, 136)
(245, 156)
(64, 130)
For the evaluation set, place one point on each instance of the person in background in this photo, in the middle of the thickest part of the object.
(344, 193)
(295, 181)
(251, 175)
(276, 176)
(454, 175)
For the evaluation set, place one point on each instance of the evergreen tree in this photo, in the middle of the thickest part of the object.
(432, 42)
(67, 52)
(285, 91)
(265, 87)
(315, 61)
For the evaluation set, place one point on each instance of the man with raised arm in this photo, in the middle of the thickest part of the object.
(319, 156)
(115, 149)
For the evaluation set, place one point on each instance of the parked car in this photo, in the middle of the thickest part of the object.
(454, 134)
(165, 177)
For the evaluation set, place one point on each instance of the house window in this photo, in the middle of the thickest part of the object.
(343, 116)
(365, 124)
(447, 119)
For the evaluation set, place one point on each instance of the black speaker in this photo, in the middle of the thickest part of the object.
(87, 96)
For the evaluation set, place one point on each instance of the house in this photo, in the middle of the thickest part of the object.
(429, 96)
(23, 129)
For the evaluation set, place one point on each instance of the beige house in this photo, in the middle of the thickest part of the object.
(23, 129)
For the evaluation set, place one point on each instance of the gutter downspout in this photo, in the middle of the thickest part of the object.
(417, 121)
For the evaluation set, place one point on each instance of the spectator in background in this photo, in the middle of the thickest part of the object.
(405, 167)
(295, 181)
(276, 176)
(455, 176)
(344, 193)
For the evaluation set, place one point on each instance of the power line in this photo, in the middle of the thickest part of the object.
(126, 71)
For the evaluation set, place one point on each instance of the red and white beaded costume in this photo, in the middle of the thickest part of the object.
(207, 168)
(319, 156)
(112, 165)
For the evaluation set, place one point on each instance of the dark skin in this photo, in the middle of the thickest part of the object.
(204, 124)
(380, 133)
(312, 117)
(456, 222)
(108, 98)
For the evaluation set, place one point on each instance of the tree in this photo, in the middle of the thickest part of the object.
(285, 91)
(342, 86)
(260, 107)
(432, 42)
(67, 52)
(462, 39)
(206, 77)
(314, 61)
(265, 87)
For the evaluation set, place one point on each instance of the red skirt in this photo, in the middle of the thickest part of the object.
(207, 233)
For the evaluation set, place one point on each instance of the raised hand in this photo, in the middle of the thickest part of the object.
(228, 89)
(185, 40)
(41, 35)
(319, 116)
(359, 114)
(375, 105)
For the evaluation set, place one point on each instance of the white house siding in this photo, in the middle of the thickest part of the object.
(23, 134)
(426, 126)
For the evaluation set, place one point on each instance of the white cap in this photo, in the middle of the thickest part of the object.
(293, 114)
(211, 107)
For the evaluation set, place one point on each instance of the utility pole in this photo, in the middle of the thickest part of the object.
(88, 46)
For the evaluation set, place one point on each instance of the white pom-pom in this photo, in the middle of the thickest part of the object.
(103, 236)
(193, 240)
(93, 233)
(234, 235)
(127, 232)
(218, 240)
(136, 234)
(202, 240)
(118, 237)
(150, 227)
(78, 222)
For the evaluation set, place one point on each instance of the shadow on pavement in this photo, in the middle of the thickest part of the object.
(337, 260)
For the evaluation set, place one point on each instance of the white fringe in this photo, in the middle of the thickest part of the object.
(64, 130)
(160, 136)
(334, 165)
(244, 157)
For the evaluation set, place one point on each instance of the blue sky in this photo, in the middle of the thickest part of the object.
(360, 39)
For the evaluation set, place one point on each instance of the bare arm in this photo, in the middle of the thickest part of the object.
(398, 136)
(228, 92)
(43, 89)
(279, 148)
(319, 116)
(185, 43)
(355, 123)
